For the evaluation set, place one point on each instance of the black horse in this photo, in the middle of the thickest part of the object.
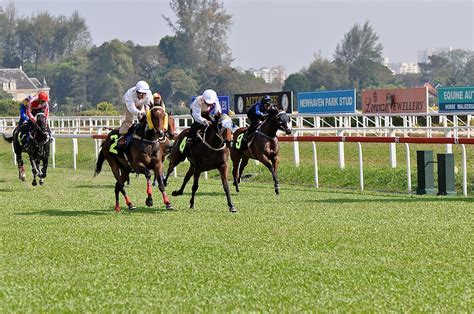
(210, 151)
(34, 139)
(263, 146)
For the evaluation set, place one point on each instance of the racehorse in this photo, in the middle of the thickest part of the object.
(210, 151)
(263, 146)
(35, 141)
(142, 154)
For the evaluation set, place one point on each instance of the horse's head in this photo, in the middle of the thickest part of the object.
(156, 120)
(225, 128)
(281, 120)
(41, 132)
(171, 126)
(42, 122)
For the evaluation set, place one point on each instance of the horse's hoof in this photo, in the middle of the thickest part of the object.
(41, 181)
(34, 183)
(232, 209)
(176, 193)
(149, 201)
(22, 177)
(131, 207)
(169, 207)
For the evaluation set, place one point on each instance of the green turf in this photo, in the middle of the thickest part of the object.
(62, 248)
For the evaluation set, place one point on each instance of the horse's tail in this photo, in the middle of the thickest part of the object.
(99, 163)
(8, 138)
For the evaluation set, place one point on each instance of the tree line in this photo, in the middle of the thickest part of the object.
(194, 58)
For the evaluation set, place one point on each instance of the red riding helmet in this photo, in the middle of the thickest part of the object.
(43, 96)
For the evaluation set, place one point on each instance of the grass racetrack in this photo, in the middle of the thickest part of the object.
(63, 249)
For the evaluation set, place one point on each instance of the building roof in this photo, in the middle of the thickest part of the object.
(21, 79)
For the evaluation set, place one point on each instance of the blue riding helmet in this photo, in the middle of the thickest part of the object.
(266, 100)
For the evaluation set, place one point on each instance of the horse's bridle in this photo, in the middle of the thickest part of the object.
(223, 141)
(38, 128)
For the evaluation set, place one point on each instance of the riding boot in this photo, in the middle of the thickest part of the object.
(195, 127)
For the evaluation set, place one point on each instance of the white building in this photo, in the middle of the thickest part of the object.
(425, 53)
(401, 67)
(16, 83)
(271, 75)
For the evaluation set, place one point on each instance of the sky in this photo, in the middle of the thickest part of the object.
(268, 33)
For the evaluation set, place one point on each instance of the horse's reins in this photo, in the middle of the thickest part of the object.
(160, 139)
(208, 145)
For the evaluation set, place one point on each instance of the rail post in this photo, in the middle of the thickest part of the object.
(408, 168)
(315, 161)
(361, 167)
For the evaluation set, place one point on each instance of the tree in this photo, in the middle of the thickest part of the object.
(296, 82)
(449, 69)
(201, 30)
(7, 35)
(109, 72)
(358, 50)
(178, 85)
(69, 85)
(323, 74)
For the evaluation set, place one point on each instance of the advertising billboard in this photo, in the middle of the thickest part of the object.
(401, 100)
(283, 101)
(327, 102)
(456, 99)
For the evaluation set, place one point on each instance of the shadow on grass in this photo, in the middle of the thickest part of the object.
(6, 190)
(101, 212)
(95, 186)
(188, 194)
(444, 199)
(65, 213)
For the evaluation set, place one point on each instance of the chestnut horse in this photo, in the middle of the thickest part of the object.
(262, 146)
(142, 155)
(210, 151)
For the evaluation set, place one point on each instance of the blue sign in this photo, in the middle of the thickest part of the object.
(456, 99)
(223, 100)
(327, 102)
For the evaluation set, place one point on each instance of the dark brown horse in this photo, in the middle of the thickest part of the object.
(262, 146)
(210, 151)
(33, 139)
(142, 155)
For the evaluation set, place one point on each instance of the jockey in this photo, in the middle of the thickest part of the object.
(157, 101)
(208, 105)
(137, 100)
(258, 112)
(23, 106)
(36, 105)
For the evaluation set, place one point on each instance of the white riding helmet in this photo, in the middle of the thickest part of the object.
(210, 96)
(142, 87)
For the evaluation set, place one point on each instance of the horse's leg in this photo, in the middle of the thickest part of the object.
(236, 157)
(161, 185)
(264, 160)
(197, 174)
(33, 170)
(275, 162)
(19, 161)
(224, 171)
(45, 166)
(121, 176)
(149, 199)
(188, 176)
(123, 179)
(243, 164)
